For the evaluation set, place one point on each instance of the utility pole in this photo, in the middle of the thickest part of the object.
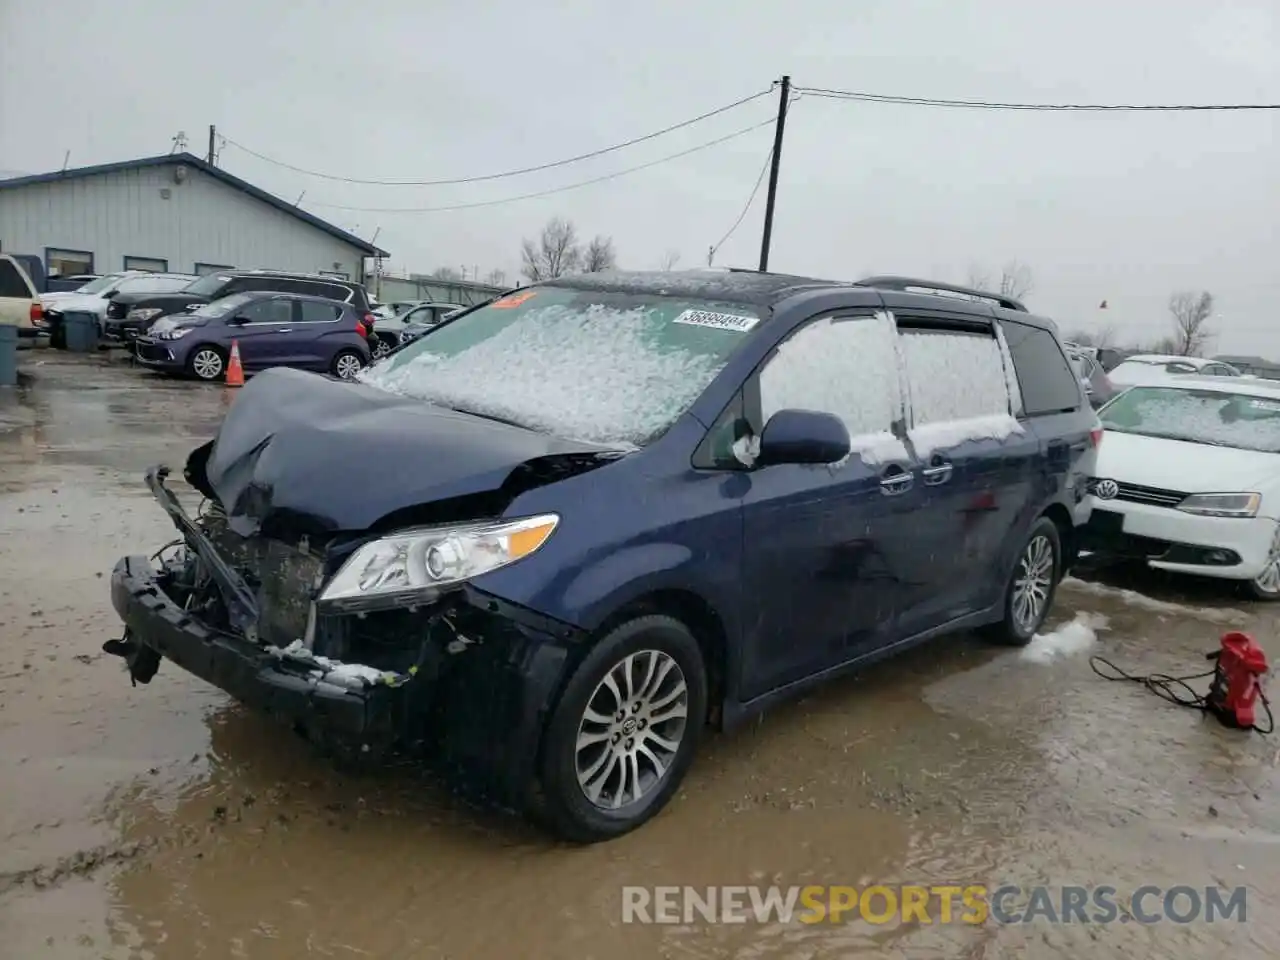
(213, 133)
(783, 96)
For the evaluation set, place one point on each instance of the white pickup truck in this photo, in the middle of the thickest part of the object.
(19, 302)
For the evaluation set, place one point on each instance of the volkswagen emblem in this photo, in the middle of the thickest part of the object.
(1106, 489)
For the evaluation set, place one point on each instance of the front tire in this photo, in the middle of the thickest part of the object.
(1028, 597)
(1266, 585)
(207, 363)
(625, 730)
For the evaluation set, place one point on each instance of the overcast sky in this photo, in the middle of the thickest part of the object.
(1122, 207)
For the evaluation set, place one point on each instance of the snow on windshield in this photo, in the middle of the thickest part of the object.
(601, 374)
(1202, 416)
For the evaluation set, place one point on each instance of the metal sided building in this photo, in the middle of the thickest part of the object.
(169, 213)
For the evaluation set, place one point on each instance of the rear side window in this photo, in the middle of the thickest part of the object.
(953, 374)
(1047, 381)
(11, 282)
(313, 311)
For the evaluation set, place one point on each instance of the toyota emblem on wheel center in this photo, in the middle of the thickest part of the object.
(1106, 489)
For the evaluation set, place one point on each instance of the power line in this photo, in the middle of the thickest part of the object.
(554, 190)
(768, 159)
(506, 173)
(1055, 107)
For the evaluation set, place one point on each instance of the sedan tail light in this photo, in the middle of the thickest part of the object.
(37, 314)
(1095, 436)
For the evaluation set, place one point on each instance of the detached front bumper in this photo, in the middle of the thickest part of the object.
(249, 671)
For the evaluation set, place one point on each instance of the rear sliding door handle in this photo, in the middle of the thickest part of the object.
(938, 473)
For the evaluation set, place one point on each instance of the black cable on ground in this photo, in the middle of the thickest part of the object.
(1170, 688)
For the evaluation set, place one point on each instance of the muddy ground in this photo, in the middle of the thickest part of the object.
(166, 821)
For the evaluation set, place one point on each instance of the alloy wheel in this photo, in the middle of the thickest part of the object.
(347, 366)
(1033, 582)
(1268, 581)
(207, 364)
(380, 348)
(632, 729)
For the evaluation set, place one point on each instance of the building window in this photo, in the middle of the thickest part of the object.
(149, 264)
(204, 269)
(67, 263)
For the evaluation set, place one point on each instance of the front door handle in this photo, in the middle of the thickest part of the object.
(285, 330)
(939, 472)
(894, 481)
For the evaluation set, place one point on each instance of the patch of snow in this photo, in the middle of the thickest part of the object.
(746, 450)
(954, 376)
(843, 366)
(1010, 373)
(877, 448)
(1226, 616)
(594, 373)
(1068, 639)
(354, 676)
(945, 434)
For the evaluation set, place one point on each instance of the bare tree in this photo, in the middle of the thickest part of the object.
(669, 260)
(1190, 314)
(496, 278)
(446, 273)
(1015, 280)
(555, 253)
(599, 255)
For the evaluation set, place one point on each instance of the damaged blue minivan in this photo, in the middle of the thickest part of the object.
(564, 532)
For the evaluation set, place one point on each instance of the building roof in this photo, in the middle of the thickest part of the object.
(191, 160)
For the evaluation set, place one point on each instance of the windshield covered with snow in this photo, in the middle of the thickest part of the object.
(102, 283)
(600, 367)
(207, 285)
(1199, 416)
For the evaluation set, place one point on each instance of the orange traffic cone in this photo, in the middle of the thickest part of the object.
(235, 372)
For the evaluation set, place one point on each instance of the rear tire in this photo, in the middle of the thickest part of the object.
(1028, 597)
(207, 363)
(383, 343)
(58, 337)
(624, 732)
(346, 364)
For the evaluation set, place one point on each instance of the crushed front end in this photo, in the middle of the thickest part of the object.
(464, 674)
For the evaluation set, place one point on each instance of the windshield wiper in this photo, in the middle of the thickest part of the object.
(488, 416)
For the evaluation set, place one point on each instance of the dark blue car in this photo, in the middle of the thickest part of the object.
(563, 532)
(271, 329)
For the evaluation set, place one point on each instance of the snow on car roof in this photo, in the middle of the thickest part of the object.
(1242, 385)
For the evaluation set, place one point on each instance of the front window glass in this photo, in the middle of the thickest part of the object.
(1214, 417)
(602, 367)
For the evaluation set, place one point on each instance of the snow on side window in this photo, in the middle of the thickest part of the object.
(845, 366)
(959, 388)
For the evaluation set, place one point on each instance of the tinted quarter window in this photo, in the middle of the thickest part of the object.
(1047, 381)
(313, 311)
(841, 365)
(11, 282)
(953, 374)
(334, 292)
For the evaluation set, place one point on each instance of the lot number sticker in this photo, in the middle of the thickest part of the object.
(721, 321)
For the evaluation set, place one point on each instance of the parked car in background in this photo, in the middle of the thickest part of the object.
(102, 286)
(19, 303)
(1097, 385)
(131, 315)
(393, 308)
(101, 294)
(1145, 368)
(271, 329)
(1188, 480)
(390, 329)
(560, 534)
(416, 328)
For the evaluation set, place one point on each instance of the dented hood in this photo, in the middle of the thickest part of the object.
(331, 455)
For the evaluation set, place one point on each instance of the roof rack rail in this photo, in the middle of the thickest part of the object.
(910, 283)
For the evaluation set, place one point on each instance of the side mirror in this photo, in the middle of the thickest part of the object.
(803, 436)
(192, 306)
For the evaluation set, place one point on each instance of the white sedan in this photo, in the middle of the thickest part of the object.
(1188, 479)
(1159, 367)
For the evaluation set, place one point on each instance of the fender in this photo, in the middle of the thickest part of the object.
(626, 575)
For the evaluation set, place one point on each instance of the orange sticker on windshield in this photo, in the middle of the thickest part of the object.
(509, 303)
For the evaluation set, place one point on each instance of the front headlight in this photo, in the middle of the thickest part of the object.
(415, 565)
(143, 313)
(1222, 504)
(177, 333)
